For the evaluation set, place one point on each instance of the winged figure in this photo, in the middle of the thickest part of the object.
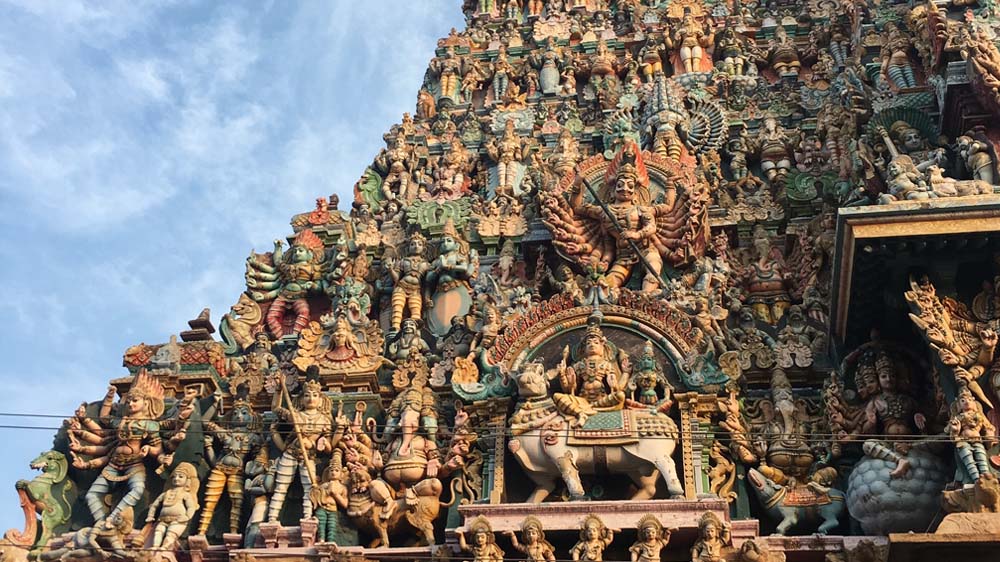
(625, 227)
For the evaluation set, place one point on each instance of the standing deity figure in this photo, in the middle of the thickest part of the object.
(652, 539)
(509, 154)
(566, 155)
(548, 64)
(105, 538)
(595, 536)
(407, 276)
(484, 546)
(258, 485)
(976, 155)
(734, 51)
(239, 437)
(136, 436)
(972, 434)
(448, 69)
(448, 289)
(897, 67)
(533, 544)
(329, 497)
(503, 71)
(713, 537)
(311, 423)
(651, 63)
(174, 509)
(690, 40)
(288, 279)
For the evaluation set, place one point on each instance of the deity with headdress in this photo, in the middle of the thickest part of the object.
(623, 228)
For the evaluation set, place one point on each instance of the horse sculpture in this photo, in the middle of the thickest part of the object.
(548, 447)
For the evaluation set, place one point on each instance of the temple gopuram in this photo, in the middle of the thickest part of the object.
(647, 280)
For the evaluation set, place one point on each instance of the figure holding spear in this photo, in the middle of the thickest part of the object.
(311, 426)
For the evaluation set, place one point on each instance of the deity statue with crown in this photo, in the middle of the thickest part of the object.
(447, 280)
(285, 279)
(626, 226)
(596, 380)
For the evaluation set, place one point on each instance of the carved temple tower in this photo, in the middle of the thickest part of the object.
(637, 279)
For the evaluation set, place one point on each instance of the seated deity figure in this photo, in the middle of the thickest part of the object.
(889, 411)
(596, 381)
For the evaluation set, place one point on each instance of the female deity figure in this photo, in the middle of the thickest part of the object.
(647, 377)
(690, 41)
(533, 543)
(450, 175)
(239, 436)
(566, 155)
(175, 508)
(136, 437)
(407, 276)
(733, 51)
(713, 537)
(311, 422)
(259, 485)
(595, 536)
(653, 537)
(548, 63)
(652, 62)
(972, 433)
(897, 68)
(484, 547)
(448, 291)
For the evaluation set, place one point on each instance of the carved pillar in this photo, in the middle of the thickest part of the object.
(686, 403)
(493, 413)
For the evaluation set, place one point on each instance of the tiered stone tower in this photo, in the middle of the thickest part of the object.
(647, 279)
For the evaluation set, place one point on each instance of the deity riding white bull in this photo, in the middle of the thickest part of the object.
(548, 447)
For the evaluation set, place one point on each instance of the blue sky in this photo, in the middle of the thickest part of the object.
(147, 146)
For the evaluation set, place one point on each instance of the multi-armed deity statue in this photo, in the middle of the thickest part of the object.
(641, 279)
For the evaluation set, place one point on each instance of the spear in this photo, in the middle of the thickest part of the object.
(310, 469)
(621, 233)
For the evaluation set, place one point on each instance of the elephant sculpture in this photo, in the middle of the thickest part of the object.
(547, 446)
(795, 505)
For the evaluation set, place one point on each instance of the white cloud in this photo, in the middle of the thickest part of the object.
(145, 147)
